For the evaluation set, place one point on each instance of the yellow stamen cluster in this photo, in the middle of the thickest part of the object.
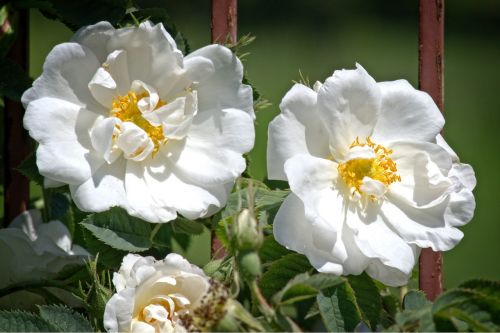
(125, 108)
(381, 167)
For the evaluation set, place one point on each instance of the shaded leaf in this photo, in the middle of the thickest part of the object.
(186, 226)
(65, 319)
(117, 229)
(281, 271)
(20, 321)
(271, 250)
(367, 297)
(338, 308)
(415, 300)
(29, 169)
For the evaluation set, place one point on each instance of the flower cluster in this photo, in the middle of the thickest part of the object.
(125, 119)
(372, 179)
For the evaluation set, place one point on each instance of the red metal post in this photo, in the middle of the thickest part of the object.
(16, 186)
(224, 24)
(431, 69)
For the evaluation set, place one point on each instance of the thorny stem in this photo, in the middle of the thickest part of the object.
(266, 309)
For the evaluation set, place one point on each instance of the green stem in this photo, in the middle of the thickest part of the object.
(403, 290)
(155, 231)
(266, 309)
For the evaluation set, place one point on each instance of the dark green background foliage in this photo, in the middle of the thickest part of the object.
(320, 36)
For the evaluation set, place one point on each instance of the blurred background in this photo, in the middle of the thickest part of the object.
(317, 37)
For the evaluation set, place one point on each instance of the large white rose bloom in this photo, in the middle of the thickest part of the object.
(372, 179)
(123, 118)
(35, 251)
(152, 295)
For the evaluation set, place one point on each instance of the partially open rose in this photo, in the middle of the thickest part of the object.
(152, 295)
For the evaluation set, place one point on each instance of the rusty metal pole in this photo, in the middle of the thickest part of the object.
(431, 69)
(15, 149)
(224, 24)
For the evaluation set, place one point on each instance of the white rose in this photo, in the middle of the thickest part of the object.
(33, 251)
(151, 295)
(123, 118)
(372, 179)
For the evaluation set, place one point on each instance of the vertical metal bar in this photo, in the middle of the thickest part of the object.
(224, 21)
(15, 149)
(224, 24)
(431, 69)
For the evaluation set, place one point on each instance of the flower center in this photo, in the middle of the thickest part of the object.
(125, 108)
(381, 167)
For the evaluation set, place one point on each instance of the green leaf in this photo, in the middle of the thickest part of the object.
(480, 312)
(20, 321)
(281, 271)
(415, 300)
(485, 287)
(185, 226)
(367, 297)
(65, 319)
(271, 250)
(119, 230)
(59, 205)
(338, 308)
(14, 80)
(29, 169)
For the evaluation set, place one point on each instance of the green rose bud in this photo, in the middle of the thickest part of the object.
(248, 234)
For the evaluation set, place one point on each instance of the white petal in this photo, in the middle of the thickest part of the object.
(425, 227)
(95, 37)
(152, 55)
(377, 241)
(145, 104)
(142, 327)
(174, 260)
(116, 65)
(51, 183)
(61, 128)
(461, 208)
(198, 68)
(212, 152)
(143, 201)
(134, 142)
(67, 70)
(103, 87)
(102, 138)
(122, 278)
(223, 89)
(423, 168)
(296, 130)
(349, 104)
(464, 175)
(312, 179)
(106, 184)
(118, 311)
(292, 229)
(406, 114)
(169, 190)
(390, 276)
(373, 187)
(28, 221)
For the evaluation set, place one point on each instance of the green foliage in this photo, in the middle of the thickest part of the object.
(65, 319)
(29, 169)
(368, 298)
(281, 271)
(52, 318)
(20, 321)
(415, 300)
(185, 226)
(338, 308)
(119, 230)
